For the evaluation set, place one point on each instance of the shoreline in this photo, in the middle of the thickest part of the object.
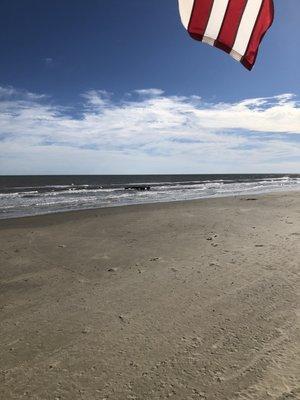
(189, 300)
(283, 192)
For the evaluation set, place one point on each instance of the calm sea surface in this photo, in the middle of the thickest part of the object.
(31, 195)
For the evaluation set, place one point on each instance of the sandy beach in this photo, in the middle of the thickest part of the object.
(188, 300)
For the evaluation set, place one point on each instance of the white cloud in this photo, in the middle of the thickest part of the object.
(96, 98)
(11, 94)
(149, 92)
(149, 133)
(48, 61)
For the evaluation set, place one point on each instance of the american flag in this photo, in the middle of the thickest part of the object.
(235, 26)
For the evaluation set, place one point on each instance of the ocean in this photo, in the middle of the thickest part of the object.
(32, 195)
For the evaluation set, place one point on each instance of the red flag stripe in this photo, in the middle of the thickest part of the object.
(263, 22)
(199, 18)
(230, 25)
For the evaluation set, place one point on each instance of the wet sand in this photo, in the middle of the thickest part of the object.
(189, 300)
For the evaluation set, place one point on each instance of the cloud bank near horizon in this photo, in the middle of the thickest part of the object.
(147, 131)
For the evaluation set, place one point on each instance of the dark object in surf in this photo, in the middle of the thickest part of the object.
(139, 188)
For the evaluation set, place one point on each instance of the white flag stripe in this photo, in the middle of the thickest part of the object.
(246, 28)
(185, 9)
(215, 21)
(235, 55)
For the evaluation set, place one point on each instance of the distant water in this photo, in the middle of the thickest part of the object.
(31, 195)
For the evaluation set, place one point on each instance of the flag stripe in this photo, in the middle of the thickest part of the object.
(199, 18)
(215, 21)
(230, 26)
(185, 10)
(264, 21)
(245, 29)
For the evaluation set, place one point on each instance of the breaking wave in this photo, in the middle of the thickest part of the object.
(24, 200)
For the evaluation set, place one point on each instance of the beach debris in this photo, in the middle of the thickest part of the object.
(112, 270)
(139, 188)
(133, 364)
(154, 259)
(170, 394)
(62, 246)
(201, 394)
(196, 339)
(214, 244)
(251, 199)
(123, 318)
(212, 236)
(212, 264)
(259, 245)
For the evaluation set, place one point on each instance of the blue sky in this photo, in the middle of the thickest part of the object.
(108, 86)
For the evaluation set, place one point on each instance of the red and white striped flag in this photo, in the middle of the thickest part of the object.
(235, 26)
